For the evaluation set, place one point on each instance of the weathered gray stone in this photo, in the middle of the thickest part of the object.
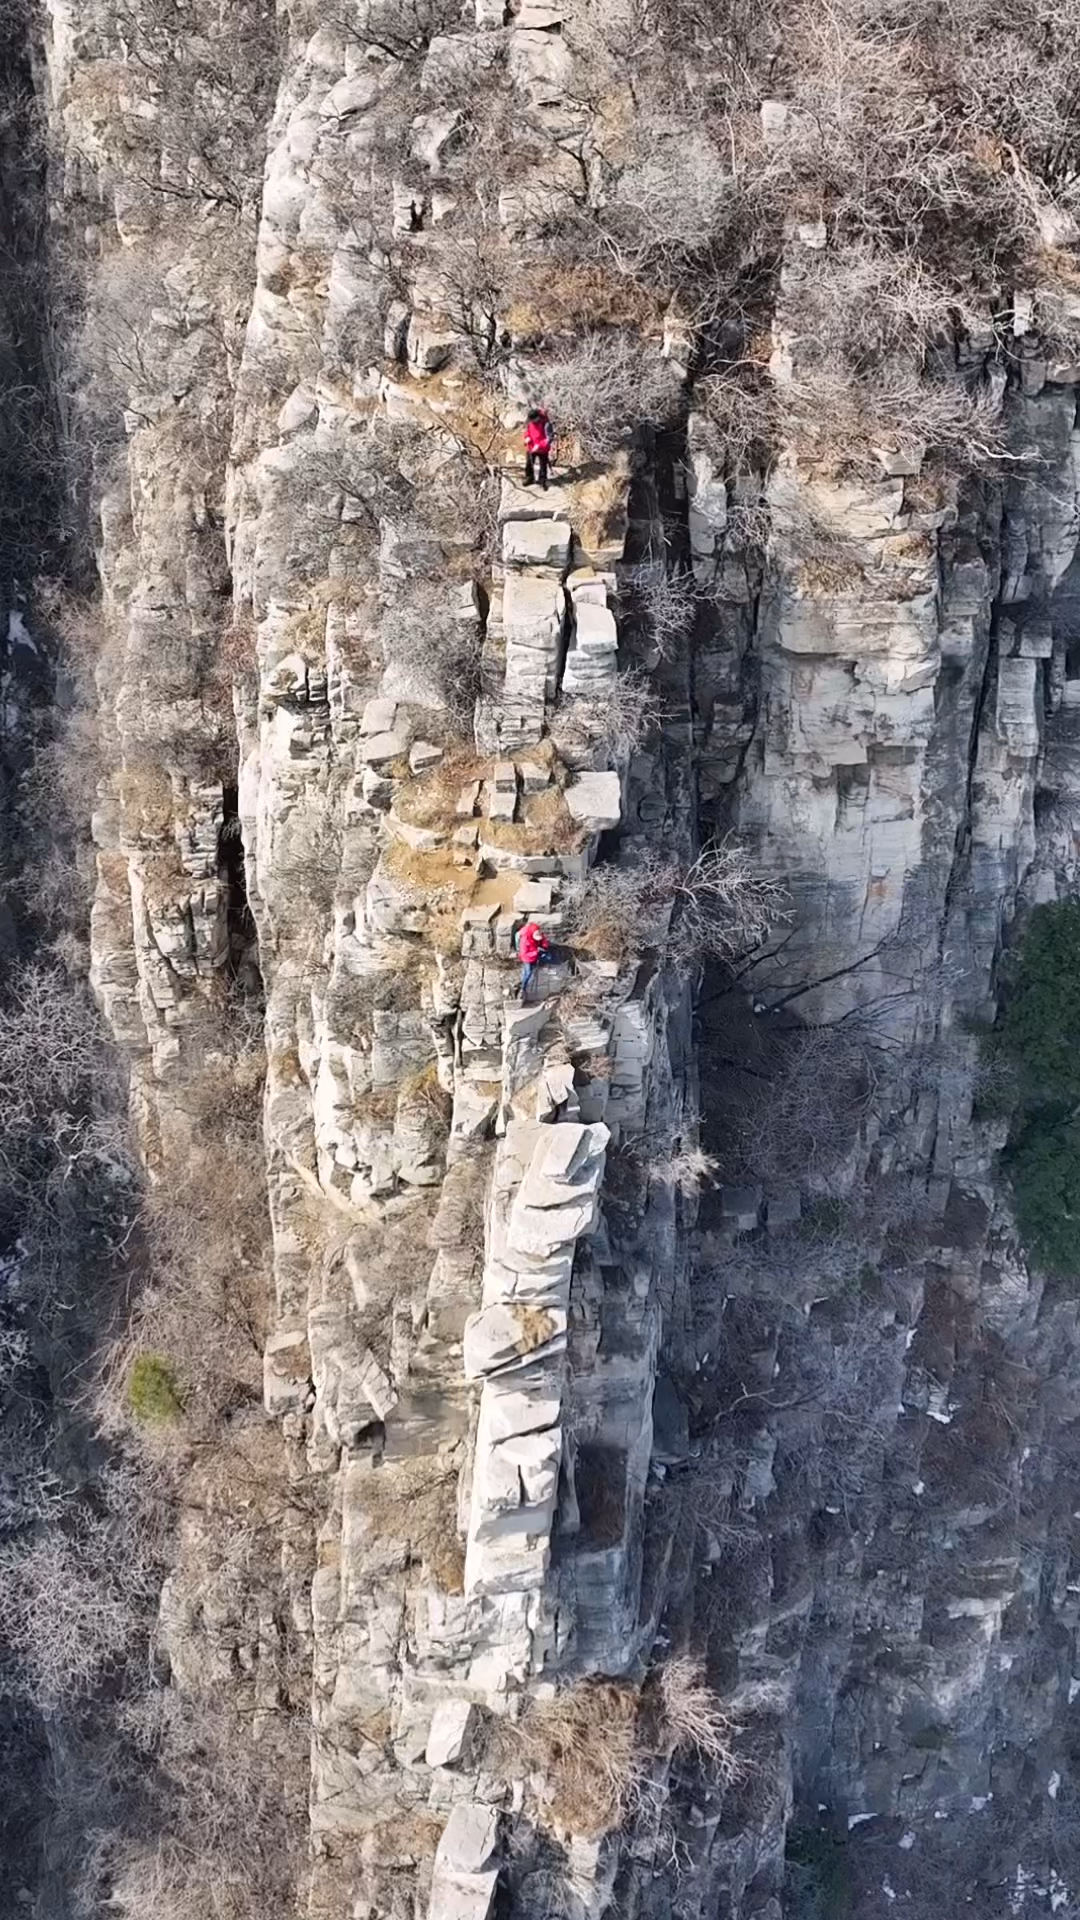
(740, 1207)
(782, 1209)
(534, 778)
(594, 800)
(288, 678)
(510, 1410)
(469, 1839)
(424, 754)
(500, 1335)
(536, 543)
(286, 1370)
(1016, 720)
(378, 748)
(594, 626)
(534, 896)
(453, 1725)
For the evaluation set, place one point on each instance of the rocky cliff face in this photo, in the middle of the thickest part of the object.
(796, 1481)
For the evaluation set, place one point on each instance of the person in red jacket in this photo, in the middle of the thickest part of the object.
(539, 441)
(533, 947)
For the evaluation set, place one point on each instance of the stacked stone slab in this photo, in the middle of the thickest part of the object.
(544, 1199)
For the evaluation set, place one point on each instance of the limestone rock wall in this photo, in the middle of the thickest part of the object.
(347, 632)
(888, 710)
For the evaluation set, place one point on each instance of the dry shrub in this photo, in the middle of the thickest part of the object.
(416, 1502)
(235, 653)
(222, 1824)
(608, 726)
(76, 1596)
(434, 647)
(672, 197)
(692, 1718)
(666, 604)
(605, 386)
(393, 1258)
(843, 422)
(839, 422)
(146, 799)
(204, 1307)
(205, 1240)
(572, 298)
(352, 998)
(794, 1112)
(62, 1132)
(592, 1747)
(717, 904)
(424, 1093)
(686, 1168)
(582, 1746)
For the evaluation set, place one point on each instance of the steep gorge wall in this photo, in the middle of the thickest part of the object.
(480, 1338)
(907, 770)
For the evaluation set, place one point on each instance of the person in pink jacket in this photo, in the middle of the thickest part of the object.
(539, 446)
(533, 947)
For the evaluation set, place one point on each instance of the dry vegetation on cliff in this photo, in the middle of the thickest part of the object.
(895, 185)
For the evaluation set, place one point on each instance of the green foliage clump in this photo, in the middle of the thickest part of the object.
(1045, 1170)
(153, 1394)
(820, 1860)
(1039, 1029)
(1038, 1035)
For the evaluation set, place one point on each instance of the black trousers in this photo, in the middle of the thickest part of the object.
(532, 462)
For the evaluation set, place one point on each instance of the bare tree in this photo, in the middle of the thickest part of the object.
(608, 725)
(716, 905)
(220, 1822)
(61, 1094)
(793, 1112)
(76, 1594)
(667, 603)
(434, 645)
(604, 386)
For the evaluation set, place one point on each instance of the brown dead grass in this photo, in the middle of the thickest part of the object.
(590, 1749)
(582, 1746)
(548, 826)
(415, 1501)
(430, 799)
(432, 874)
(146, 798)
(573, 298)
(468, 409)
(601, 516)
(378, 1106)
(407, 1838)
(423, 1091)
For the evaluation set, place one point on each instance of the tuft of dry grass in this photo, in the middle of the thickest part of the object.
(592, 1747)
(582, 1746)
(416, 1501)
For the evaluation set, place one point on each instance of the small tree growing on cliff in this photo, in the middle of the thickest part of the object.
(717, 905)
(604, 385)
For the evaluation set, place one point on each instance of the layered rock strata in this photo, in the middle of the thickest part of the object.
(482, 1342)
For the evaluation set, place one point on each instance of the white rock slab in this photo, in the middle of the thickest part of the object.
(536, 543)
(594, 801)
(452, 1726)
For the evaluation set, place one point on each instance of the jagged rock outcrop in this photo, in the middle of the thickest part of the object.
(498, 1348)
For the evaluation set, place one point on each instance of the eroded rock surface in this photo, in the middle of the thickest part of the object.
(486, 1346)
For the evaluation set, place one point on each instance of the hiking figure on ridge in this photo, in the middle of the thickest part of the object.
(539, 443)
(533, 948)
